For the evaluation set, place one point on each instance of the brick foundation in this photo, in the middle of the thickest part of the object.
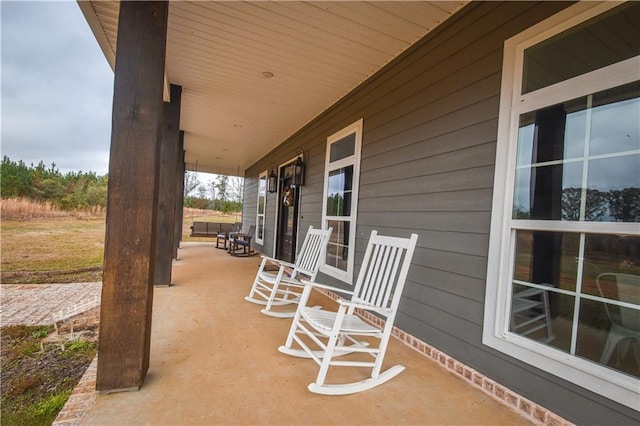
(533, 412)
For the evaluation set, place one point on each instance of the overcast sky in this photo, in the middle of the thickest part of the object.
(57, 87)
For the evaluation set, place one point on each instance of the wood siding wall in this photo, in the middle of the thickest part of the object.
(428, 157)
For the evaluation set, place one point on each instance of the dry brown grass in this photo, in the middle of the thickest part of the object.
(38, 242)
(25, 209)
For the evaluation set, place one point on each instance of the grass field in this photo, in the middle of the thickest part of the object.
(52, 244)
(48, 246)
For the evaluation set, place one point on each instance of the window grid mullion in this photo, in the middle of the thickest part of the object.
(576, 302)
(585, 159)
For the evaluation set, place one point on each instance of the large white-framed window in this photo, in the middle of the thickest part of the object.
(261, 207)
(340, 200)
(563, 277)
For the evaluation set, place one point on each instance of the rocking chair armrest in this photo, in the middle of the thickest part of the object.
(325, 287)
(285, 264)
(278, 261)
(365, 306)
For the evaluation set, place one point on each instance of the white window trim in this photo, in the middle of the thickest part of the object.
(354, 160)
(264, 175)
(619, 387)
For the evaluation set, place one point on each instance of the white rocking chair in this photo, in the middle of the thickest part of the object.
(282, 284)
(378, 289)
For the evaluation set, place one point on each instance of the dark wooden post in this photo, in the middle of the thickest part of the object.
(179, 216)
(549, 140)
(170, 145)
(127, 292)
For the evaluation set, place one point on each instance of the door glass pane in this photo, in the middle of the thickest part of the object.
(343, 148)
(339, 188)
(604, 40)
(338, 246)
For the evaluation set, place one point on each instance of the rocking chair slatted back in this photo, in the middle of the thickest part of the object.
(310, 253)
(384, 270)
(336, 333)
(284, 286)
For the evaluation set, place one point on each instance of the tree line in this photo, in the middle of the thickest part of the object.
(70, 191)
(223, 193)
(82, 190)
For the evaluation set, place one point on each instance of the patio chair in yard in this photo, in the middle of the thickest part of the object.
(277, 282)
(240, 244)
(378, 289)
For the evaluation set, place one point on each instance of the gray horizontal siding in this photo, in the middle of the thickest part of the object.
(428, 157)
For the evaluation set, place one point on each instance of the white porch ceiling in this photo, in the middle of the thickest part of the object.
(219, 52)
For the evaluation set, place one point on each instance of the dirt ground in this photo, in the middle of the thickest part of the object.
(36, 366)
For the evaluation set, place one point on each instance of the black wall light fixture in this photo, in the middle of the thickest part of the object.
(272, 182)
(299, 169)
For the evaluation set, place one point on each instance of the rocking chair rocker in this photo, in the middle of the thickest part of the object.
(378, 289)
(283, 286)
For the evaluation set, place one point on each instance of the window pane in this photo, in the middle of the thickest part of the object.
(262, 185)
(260, 227)
(343, 148)
(604, 40)
(556, 147)
(548, 193)
(547, 258)
(610, 255)
(542, 315)
(615, 122)
(261, 204)
(610, 335)
(339, 192)
(613, 193)
(338, 246)
(606, 330)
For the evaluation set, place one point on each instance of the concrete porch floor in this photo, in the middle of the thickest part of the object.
(214, 361)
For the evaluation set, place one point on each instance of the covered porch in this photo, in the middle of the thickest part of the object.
(214, 360)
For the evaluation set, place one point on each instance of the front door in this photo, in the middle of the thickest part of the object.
(287, 231)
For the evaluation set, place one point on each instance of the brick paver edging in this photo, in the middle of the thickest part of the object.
(81, 400)
(46, 304)
(533, 412)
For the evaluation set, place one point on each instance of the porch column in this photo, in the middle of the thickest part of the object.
(167, 187)
(179, 216)
(127, 292)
